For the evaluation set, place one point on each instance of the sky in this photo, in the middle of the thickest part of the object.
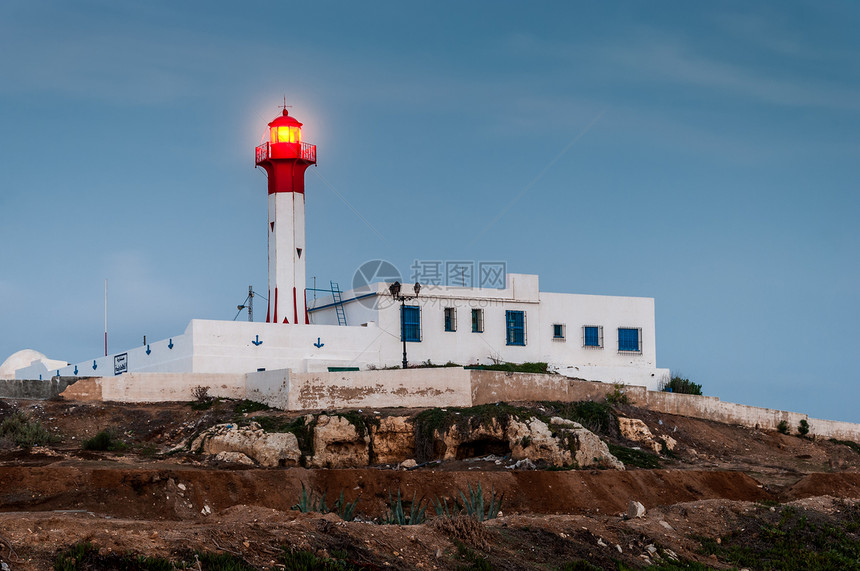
(703, 154)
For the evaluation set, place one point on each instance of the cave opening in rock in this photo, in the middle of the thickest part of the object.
(483, 447)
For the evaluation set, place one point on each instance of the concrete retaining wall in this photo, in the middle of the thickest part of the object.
(416, 388)
(419, 388)
(34, 389)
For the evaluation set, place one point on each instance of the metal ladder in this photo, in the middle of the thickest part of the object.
(338, 303)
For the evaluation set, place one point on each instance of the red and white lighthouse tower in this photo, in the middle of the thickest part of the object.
(285, 158)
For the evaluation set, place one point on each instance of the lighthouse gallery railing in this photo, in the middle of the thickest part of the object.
(307, 152)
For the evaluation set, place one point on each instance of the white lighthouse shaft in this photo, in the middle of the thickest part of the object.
(287, 257)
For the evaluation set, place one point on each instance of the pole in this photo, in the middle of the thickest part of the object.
(403, 327)
(105, 317)
(250, 303)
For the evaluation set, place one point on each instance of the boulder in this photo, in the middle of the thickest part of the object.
(267, 449)
(637, 431)
(338, 444)
(635, 510)
(234, 458)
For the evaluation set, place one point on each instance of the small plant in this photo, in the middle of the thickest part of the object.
(397, 516)
(579, 565)
(25, 432)
(474, 504)
(306, 561)
(637, 458)
(201, 393)
(104, 441)
(202, 399)
(618, 396)
(803, 427)
(316, 503)
(442, 508)
(782, 427)
(679, 384)
(344, 509)
(538, 367)
(311, 502)
(244, 406)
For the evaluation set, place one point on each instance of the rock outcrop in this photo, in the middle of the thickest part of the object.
(393, 440)
(352, 441)
(561, 443)
(636, 430)
(338, 443)
(264, 448)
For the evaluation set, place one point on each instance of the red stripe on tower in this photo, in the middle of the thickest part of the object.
(295, 308)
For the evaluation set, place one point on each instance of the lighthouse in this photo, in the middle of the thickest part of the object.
(285, 157)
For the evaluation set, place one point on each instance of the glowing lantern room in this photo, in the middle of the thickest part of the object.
(285, 129)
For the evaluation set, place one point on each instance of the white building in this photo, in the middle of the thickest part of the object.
(600, 338)
(592, 337)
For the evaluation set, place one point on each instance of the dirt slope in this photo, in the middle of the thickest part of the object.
(144, 501)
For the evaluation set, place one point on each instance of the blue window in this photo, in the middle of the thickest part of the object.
(516, 326)
(477, 321)
(558, 331)
(411, 317)
(629, 339)
(592, 336)
(450, 319)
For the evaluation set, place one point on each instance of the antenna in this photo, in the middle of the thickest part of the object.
(248, 304)
(285, 106)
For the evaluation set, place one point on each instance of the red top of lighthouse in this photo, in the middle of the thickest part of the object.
(285, 156)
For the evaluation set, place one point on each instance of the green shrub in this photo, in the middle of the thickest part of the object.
(244, 406)
(307, 561)
(637, 458)
(538, 367)
(314, 502)
(397, 516)
(803, 427)
(579, 565)
(618, 396)
(678, 384)
(598, 417)
(475, 507)
(852, 445)
(104, 441)
(782, 427)
(25, 432)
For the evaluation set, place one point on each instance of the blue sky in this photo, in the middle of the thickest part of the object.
(705, 155)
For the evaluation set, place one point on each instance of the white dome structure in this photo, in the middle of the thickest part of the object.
(25, 358)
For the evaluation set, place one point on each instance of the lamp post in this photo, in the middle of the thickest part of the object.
(395, 293)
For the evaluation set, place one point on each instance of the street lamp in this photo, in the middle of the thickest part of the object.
(395, 293)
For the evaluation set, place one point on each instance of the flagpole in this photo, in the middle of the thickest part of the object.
(105, 317)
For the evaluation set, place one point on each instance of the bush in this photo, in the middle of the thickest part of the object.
(23, 431)
(104, 441)
(678, 384)
(539, 367)
(803, 427)
(618, 396)
(782, 427)
(202, 400)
